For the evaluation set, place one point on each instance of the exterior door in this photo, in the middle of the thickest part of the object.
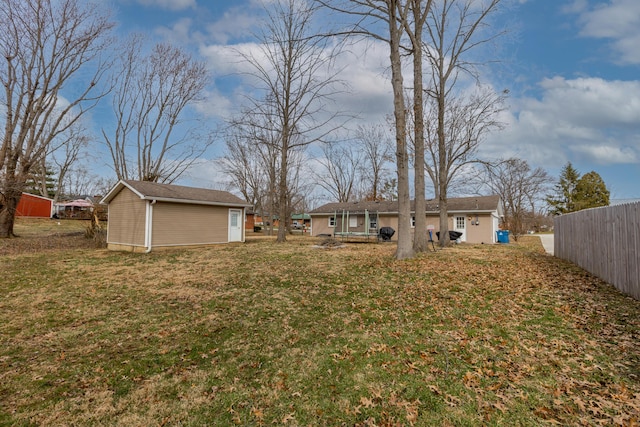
(459, 226)
(235, 225)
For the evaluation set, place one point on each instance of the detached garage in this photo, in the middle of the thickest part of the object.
(147, 215)
(31, 205)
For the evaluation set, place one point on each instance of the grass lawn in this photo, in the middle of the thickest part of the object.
(266, 334)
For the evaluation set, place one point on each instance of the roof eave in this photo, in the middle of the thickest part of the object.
(195, 202)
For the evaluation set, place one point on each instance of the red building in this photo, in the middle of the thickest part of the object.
(34, 206)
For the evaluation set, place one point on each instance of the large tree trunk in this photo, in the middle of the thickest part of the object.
(443, 172)
(282, 190)
(420, 232)
(444, 219)
(9, 200)
(405, 247)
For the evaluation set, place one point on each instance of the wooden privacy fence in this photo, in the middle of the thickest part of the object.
(605, 242)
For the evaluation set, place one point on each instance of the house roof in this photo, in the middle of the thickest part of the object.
(176, 194)
(300, 216)
(37, 196)
(457, 204)
(78, 203)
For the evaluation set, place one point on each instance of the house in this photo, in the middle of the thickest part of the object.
(300, 221)
(82, 207)
(31, 205)
(477, 218)
(75, 209)
(147, 215)
(249, 219)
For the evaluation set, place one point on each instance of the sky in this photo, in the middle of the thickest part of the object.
(572, 69)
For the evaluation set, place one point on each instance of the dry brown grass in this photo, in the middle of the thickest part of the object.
(267, 334)
(38, 235)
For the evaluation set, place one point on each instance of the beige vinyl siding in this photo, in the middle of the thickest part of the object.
(481, 233)
(127, 214)
(320, 225)
(475, 233)
(183, 224)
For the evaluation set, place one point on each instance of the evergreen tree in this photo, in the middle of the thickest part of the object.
(574, 193)
(590, 192)
(563, 200)
(41, 181)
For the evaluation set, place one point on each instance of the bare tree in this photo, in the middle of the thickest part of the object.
(376, 146)
(44, 46)
(252, 161)
(294, 70)
(80, 181)
(390, 14)
(339, 170)
(519, 186)
(300, 184)
(242, 165)
(467, 121)
(413, 24)
(152, 141)
(455, 29)
(64, 156)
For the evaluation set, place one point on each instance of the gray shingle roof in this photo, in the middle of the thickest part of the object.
(466, 204)
(176, 193)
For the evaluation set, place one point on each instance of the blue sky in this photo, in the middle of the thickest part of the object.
(572, 68)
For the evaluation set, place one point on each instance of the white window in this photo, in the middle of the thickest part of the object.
(460, 222)
(373, 223)
(353, 221)
(413, 221)
(332, 221)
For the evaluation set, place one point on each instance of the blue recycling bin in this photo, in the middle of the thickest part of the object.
(503, 236)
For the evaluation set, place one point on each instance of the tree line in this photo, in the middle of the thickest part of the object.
(60, 63)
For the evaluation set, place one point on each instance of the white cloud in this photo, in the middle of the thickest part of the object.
(179, 32)
(215, 105)
(593, 101)
(234, 24)
(589, 118)
(367, 86)
(618, 21)
(608, 154)
(169, 4)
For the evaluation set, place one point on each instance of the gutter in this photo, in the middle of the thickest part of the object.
(149, 227)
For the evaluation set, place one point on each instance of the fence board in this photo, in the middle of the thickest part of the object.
(605, 242)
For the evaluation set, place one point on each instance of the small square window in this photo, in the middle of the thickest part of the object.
(413, 221)
(332, 221)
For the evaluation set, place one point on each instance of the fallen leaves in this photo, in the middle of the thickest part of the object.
(280, 334)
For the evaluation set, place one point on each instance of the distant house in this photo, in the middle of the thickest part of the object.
(147, 215)
(75, 209)
(249, 219)
(31, 205)
(299, 221)
(476, 218)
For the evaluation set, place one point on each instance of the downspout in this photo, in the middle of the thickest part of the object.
(149, 226)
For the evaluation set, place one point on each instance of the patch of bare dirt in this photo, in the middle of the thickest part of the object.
(46, 242)
(330, 243)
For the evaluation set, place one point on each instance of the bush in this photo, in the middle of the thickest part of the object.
(97, 232)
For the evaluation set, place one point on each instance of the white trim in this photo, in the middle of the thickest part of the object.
(149, 225)
(239, 226)
(37, 196)
(121, 184)
(462, 230)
